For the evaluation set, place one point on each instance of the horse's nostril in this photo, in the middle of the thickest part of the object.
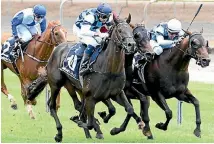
(129, 44)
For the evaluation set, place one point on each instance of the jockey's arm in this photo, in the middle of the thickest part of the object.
(17, 20)
(86, 25)
(164, 43)
(43, 25)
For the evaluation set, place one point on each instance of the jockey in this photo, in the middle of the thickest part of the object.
(24, 25)
(87, 28)
(166, 35)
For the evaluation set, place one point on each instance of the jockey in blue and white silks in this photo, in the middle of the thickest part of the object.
(27, 23)
(87, 29)
(165, 35)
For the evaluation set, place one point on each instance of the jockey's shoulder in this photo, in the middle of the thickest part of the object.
(90, 18)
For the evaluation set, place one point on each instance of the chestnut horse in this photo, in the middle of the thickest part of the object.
(36, 56)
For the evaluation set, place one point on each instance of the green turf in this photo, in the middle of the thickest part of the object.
(18, 127)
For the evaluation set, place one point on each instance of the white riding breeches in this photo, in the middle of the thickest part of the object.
(86, 39)
(156, 47)
(26, 32)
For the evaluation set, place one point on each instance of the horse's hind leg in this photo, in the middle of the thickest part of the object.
(5, 91)
(111, 110)
(160, 100)
(189, 98)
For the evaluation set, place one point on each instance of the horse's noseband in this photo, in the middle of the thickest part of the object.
(121, 41)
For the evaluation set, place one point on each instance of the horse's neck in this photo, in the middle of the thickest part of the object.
(112, 59)
(177, 57)
(43, 47)
(128, 60)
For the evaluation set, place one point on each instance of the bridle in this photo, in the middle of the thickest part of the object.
(189, 46)
(119, 40)
(53, 39)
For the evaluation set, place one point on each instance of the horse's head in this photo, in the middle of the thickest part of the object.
(58, 33)
(198, 49)
(141, 37)
(122, 35)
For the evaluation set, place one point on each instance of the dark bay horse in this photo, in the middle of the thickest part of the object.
(36, 56)
(106, 80)
(167, 76)
(141, 37)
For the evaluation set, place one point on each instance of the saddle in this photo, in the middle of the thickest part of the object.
(72, 61)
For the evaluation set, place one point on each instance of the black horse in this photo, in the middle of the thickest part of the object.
(141, 37)
(167, 76)
(106, 80)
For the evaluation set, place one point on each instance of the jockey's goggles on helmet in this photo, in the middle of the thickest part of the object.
(103, 16)
(173, 33)
(38, 16)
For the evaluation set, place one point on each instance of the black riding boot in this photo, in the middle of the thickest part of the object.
(84, 69)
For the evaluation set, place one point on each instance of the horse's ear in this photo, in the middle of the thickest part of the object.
(202, 30)
(132, 25)
(143, 23)
(207, 44)
(128, 20)
(115, 18)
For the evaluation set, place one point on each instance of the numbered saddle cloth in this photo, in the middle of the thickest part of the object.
(72, 61)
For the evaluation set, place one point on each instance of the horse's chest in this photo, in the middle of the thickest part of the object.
(174, 84)
(110, 86)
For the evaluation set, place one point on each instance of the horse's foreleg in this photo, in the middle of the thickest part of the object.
(89, 107)
(144, 104)
(5, 91)
(111, 110)
(58, 102)
(122, 128)
(189, 98)
(52, 105)
(160, 100)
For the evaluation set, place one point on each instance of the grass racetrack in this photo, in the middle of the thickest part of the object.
(16, 126)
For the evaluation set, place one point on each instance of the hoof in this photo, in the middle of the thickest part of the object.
(161, 126)
(197, 133)
(58, 138)
(14, 106)
(32, 117)
(150, 137)
(102, 114)
(74, 118)
(115, 131)
(99, 136)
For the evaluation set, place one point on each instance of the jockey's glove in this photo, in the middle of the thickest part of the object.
(103, 35)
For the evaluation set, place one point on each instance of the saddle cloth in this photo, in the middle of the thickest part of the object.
(72, 61)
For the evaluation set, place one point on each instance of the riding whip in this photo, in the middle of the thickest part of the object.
(195, 15)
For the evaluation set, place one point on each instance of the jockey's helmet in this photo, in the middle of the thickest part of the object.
(39, 11)
(104, 10)
(174, 26)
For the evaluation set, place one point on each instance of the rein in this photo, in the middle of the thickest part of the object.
(52, 38)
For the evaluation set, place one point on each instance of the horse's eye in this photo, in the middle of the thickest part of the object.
(136, 36)
(119, 30)
(56, 33)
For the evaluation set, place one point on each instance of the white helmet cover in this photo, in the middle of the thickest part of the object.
(174, 26)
